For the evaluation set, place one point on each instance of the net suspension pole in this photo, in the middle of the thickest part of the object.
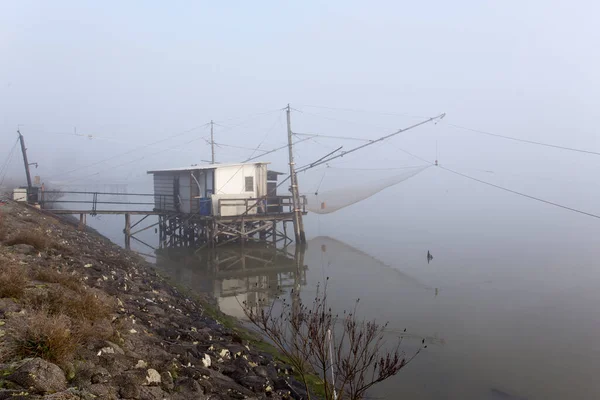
(298, 222)
(26, 162)
(212, 141)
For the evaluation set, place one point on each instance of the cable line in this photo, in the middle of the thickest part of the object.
(322, 161)
(520, 193)
(128, 152)
(274, 150)
(4, 169)
(133, 161)
(365, 111)
(333, 137)
(525, 140)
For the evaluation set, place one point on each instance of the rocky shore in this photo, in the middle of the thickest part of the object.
(81, 318)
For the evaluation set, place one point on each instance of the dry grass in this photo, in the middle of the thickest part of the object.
(33, 238)
(40, 334)
(54, 276)
(82, 305)
(13, 280)
(58, 321)
(3, 232)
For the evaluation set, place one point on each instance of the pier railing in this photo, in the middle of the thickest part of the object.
(258, 206)
(106, 201)
(49, 199)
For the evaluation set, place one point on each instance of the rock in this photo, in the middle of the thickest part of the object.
(102, 391)
(66, 395)
(9, 306)
(206, 361)
(153, 377)
(151, 393)
(115, 363)
(167, 381)
(100, 375)
(190, 385)
(117, 349)
(155, 310)
(261, 371)
(237, 350)
(129, 391)
(255, 383)
(39, 376)
(281, 384)
(207, 386)
(141, 364)
(24, 249)
(13, 394)
(106, 350)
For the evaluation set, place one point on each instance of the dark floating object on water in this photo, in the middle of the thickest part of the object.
(429, 257)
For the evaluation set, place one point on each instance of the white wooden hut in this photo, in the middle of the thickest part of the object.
(215, 189)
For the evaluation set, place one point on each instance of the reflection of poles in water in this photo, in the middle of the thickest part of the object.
(299, 259)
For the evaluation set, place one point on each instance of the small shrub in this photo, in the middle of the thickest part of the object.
(347, 364)
(87, 331)
(12, 281)
(33, 238)
(40, 335)
(82, 305)
(53, 276)
(61, 248)
(3, 233)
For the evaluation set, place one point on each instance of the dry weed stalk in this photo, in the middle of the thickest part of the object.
(346, 352)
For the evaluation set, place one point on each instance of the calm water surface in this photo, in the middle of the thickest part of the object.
(509, 305)
(492, 331)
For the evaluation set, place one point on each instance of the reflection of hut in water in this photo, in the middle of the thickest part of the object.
(251, 273)
(352, 264)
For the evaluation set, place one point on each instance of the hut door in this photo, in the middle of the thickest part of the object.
(176, 197)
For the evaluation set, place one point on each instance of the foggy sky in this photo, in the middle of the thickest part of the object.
(134, 73)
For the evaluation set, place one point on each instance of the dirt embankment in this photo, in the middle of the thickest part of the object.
(82, 318)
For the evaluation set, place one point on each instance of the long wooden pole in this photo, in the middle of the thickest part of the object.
(26, 162)
(298, 223)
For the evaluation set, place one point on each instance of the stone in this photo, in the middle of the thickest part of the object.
(153, 377)
(114, 363)
(206, 361)
(129, 390)
(236, 350)
(151, 393)
(101, 390)
(167, 381)
(66, 395)
(39, 376)
(255, 383)
(261, 371)
(141, 364)
(190, 385)
(24, 249)
(117, 349)
(100, 375)
(14, 394)
(106, 350)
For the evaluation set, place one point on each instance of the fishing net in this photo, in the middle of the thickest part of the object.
(344, 189)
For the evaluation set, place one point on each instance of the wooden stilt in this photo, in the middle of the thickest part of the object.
(82, 219)
(127, 231)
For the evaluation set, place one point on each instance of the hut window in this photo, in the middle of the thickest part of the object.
(249, 184)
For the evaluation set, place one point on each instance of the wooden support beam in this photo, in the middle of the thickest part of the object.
(82, 221)
(127, 231)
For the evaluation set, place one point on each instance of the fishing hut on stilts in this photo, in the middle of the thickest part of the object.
(217, 204)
